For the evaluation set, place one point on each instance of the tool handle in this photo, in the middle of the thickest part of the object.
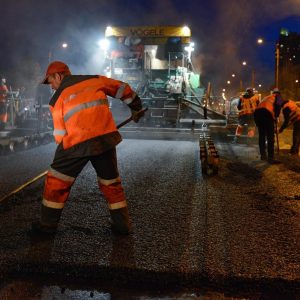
(277, 138)
(130, 118)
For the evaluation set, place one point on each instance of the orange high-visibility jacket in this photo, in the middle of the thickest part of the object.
(268, 103)
(3, 92)
(80, 107)
(248, 105)
(294, 114)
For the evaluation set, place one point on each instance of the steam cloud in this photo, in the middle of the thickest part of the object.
(224, 31)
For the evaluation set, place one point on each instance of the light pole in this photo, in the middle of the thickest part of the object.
(277, 55)
(244, 63)
(267, 43)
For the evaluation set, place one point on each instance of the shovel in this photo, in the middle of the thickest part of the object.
(131, 118)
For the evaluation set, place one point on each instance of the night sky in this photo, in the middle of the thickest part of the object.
(224, 31)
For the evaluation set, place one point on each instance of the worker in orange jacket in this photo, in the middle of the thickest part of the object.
(246, 106)
(265, 116)
(291, 113)
(3, 103)
(85, 131)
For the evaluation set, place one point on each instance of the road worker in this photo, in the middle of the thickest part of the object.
(291, 113)
(3, 103)
(265, 116)
(85, 131)
(246, 106)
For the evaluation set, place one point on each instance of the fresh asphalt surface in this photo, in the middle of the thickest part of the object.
(237, 232)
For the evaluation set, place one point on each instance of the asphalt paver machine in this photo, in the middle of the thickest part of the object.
(29, 123)
(156, 62)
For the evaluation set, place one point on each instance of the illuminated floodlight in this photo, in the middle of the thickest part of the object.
(233, 75)
(244, 63)
(104, 44)
(296, 80)
(108, 31)
(228, 81)
(64, 45)
(186, 31)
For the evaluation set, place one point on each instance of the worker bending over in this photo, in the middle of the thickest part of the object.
(265, 116)
(85, 131)
(291, 113)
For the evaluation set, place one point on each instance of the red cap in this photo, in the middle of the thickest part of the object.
(56, 67)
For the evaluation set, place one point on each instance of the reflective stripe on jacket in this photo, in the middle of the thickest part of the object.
(294, 111)
(248, 105)
(80, 108)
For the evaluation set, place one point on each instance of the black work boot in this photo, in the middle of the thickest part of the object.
(48, 222)
(121, 223)
(273, 161)
(264, 156)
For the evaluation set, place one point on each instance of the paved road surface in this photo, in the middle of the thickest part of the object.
(237, 232)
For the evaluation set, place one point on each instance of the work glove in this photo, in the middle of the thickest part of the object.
(136, 115)
(136, 109)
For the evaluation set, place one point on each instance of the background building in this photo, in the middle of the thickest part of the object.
(287, 73)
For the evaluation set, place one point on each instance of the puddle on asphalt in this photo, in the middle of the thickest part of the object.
(28, 289)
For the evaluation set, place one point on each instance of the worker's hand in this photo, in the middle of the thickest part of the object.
(136, 115)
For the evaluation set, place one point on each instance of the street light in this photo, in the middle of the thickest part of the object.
(231, 81)
(260, 41)
(51, 50)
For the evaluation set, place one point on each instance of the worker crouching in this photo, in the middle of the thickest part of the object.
(85, 131)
